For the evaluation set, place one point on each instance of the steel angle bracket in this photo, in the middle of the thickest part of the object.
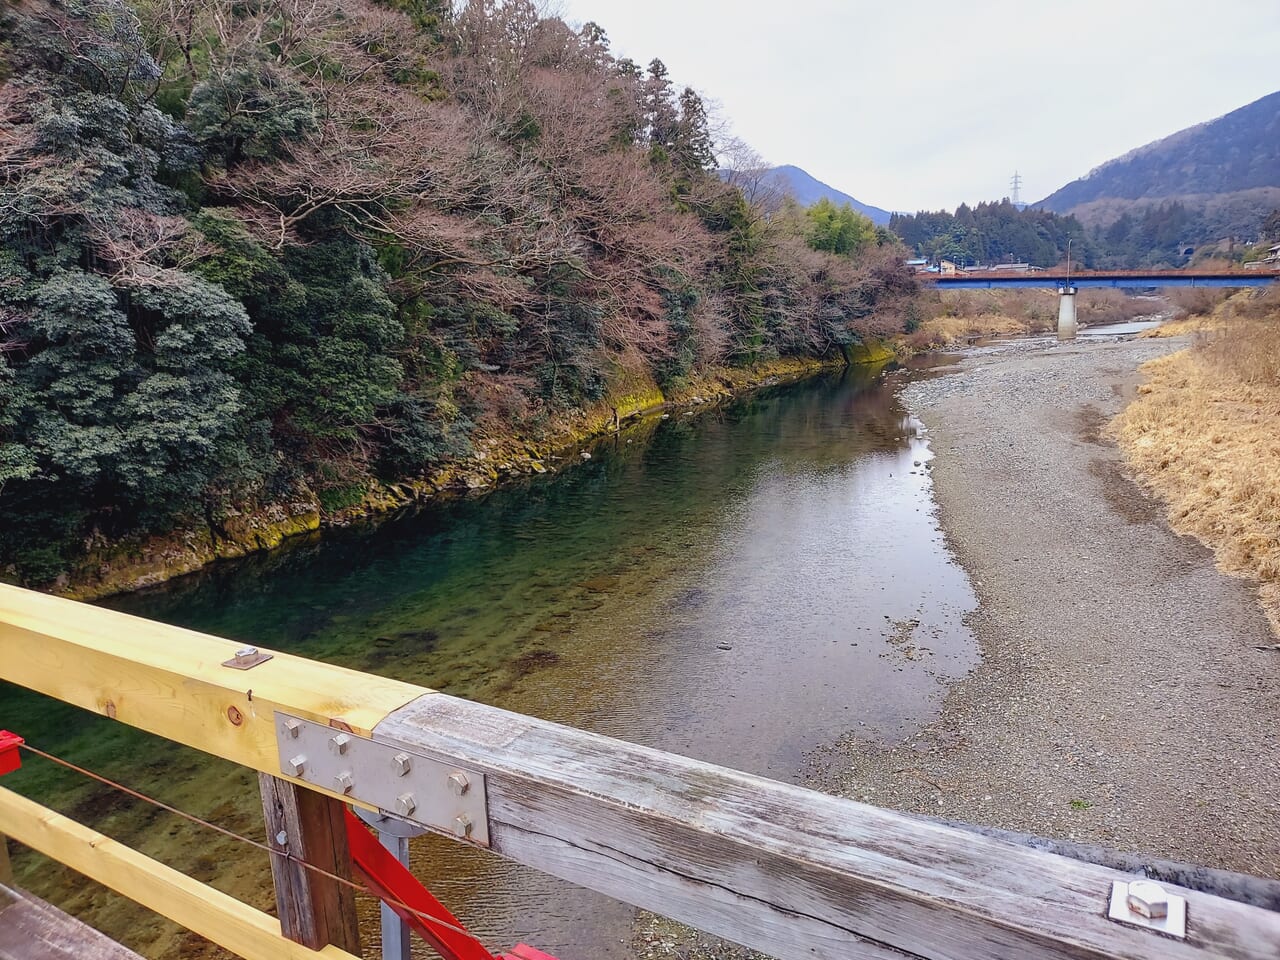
(423, 790)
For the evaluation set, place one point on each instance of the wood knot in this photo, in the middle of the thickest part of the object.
(234, 715)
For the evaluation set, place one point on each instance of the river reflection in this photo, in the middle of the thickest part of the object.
(743, 585)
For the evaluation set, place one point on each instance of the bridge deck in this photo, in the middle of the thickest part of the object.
(31, 929)
(1053, 280)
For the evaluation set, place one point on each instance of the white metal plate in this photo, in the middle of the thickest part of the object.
(1174, 925)
(383, 775)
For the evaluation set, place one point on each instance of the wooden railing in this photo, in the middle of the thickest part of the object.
(785, 870)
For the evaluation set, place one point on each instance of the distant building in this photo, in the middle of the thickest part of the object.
(946, 268)
(1270, 261)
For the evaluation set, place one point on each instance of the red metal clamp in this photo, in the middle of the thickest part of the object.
(10, 758)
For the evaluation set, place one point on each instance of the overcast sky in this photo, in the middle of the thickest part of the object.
(910, 105)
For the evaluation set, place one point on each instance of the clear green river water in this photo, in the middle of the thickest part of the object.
(795, 527)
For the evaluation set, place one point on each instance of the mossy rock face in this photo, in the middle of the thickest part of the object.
(132, 564)
(119, 567)
(638, 402)
(869, 351)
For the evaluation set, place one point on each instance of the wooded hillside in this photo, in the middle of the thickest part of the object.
(1238, 151)
(1211, 182)
(283, 250)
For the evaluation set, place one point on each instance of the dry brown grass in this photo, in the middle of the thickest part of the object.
(951, 329)
(1194, 324)
(954, 316)
(1204, 435)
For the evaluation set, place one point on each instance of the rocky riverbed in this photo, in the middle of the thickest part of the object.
(1127, 693)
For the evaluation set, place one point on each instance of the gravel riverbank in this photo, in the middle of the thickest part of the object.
(1127, 694)
(1128, 690)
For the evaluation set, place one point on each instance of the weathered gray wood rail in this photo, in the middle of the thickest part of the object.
(789, 871)
(31, 929)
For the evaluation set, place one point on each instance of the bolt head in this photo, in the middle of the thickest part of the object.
(338, 745)
(405, 804)
(296, 766)
(246, 653)
(282, 838)
(343, 782)
(292, 728)
(1148, 899)
(458, 783)
(462, 826)
(402, 763)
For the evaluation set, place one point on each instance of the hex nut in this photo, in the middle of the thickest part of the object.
(338, 745)
(282, 838)
(462, 826)
(246, 653)
(293, 728)
(1148, 899)
(296, 766)
(405, 804)
(343, 782)
(402, 763)
(458, 783)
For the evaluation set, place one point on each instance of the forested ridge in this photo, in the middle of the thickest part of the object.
(1165, 234)
(1215, 184)
(260, 252)
(1161, 205)
(1235, 152)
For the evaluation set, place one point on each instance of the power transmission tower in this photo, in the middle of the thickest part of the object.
(1016, 182)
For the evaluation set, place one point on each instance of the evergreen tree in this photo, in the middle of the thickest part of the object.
(123, 399)
(662, 119)
(692, 148)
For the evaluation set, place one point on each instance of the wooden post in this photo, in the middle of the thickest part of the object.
(6, 868)
(314, 910)
(5, 872)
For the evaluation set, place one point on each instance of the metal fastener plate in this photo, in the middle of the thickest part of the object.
(246, 658)
(1174, 924)
(416, 788)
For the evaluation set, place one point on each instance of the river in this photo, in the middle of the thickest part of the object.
(743, 583)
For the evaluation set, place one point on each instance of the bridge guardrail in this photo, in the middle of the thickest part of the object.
(779, 868)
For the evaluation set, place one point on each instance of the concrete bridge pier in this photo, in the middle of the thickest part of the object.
(1066, 312)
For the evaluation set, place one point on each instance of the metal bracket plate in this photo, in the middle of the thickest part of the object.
(437, 795)
(1174, 924)
(247, 658)
(389, 825)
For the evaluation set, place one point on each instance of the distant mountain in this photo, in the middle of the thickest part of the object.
(1234, 153)
(806, 189)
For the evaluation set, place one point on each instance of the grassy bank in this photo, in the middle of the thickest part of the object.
(1203, 436)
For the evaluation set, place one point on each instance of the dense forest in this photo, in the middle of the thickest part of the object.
(992, 233)
(1151, 234)
(259, 252)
